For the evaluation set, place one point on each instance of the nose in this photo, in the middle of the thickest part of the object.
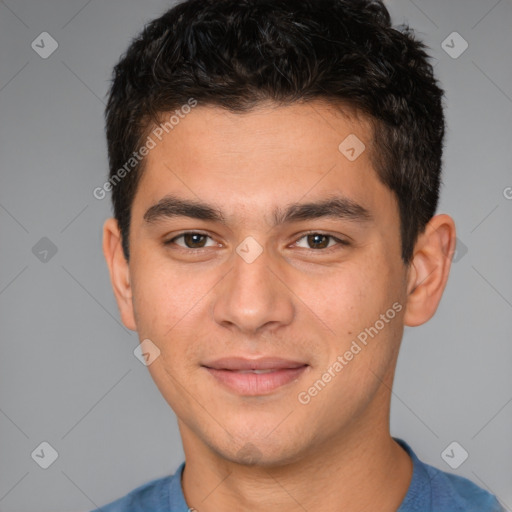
(254, 297)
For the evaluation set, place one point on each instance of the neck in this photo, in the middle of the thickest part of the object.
(359, 469)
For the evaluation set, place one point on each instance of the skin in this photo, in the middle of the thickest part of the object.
(296, 301)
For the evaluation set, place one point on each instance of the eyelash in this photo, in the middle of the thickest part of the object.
(340, 242)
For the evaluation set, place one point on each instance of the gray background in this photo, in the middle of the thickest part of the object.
(68, 375)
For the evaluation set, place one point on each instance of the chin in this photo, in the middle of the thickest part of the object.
(262, 453)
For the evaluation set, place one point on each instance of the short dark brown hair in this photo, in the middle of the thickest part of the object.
(236, 54)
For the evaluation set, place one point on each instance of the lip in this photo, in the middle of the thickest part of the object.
(262, 363)
(228, 372)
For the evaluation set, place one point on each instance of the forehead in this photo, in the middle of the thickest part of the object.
(270, 155)
(308, 128)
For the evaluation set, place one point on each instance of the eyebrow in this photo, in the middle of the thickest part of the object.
(335, 207)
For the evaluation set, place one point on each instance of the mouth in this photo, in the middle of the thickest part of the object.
(253, 377)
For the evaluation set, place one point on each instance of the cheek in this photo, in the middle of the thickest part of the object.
(169, 309)
(162, 295)
(351, 305)
(347, 300)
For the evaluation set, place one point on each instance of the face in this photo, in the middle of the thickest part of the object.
(255, 275)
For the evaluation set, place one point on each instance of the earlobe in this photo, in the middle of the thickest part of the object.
(429, 269)
(119, 272)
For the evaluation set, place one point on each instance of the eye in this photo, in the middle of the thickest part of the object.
(317, 241)
(314, 240)
(191, 239)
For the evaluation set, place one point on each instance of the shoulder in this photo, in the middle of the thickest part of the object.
(434, 490)
(149, 497)
(453, 493)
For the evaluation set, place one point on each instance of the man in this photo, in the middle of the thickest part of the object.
(275, 170)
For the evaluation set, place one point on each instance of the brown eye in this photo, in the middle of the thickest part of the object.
(317, 241)
(194, 240)
(191, 240)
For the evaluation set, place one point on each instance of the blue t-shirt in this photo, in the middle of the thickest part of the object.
(430, 490)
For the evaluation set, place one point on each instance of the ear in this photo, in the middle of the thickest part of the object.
(429, 269)
(119, 272)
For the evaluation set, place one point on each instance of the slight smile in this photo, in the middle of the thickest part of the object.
(253, 377)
